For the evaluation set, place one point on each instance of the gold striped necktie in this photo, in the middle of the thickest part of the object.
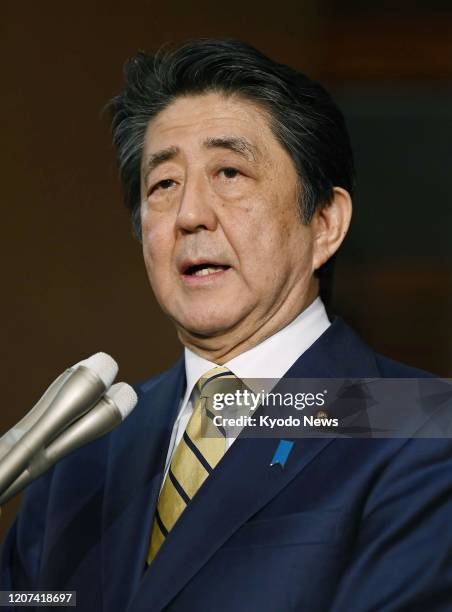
(195, 457)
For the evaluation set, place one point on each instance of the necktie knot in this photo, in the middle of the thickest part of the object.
(206, 380)
(218, 381)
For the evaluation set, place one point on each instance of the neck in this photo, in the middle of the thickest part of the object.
(224, 347)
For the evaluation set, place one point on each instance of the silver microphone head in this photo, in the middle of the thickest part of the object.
(103, 365)
(124, 397)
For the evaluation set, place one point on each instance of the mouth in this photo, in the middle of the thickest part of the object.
(203, 271)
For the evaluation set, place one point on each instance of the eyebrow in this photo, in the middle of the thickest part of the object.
(157, 158)
(236, 144)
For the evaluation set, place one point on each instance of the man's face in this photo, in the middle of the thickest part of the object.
(223, 243)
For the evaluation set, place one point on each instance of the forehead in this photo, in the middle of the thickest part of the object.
(190, 119)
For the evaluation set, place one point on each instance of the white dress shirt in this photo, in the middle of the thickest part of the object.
(270, 359)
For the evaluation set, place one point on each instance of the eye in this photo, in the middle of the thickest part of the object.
(164, 184)
(230, 173)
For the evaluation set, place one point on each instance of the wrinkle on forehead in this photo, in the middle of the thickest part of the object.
(210, 109)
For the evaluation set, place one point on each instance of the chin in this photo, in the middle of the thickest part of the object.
(208, 325)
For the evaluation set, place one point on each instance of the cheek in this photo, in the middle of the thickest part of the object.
(157, 244)
(281, 248)
(258, 245)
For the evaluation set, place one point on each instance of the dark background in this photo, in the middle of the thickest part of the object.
(72, 275)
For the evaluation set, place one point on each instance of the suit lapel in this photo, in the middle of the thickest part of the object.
(135, 469)
(243, 482)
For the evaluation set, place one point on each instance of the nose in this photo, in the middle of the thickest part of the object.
(196, 206)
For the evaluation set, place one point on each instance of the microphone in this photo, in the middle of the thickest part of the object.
(10, 438)
(14, 434)
(109, 411)
(67, 398)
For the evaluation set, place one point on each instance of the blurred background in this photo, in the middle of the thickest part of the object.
(73, 278)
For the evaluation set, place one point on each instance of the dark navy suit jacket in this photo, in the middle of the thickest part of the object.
(349, 525)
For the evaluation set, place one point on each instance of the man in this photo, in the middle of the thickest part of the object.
(238, 172)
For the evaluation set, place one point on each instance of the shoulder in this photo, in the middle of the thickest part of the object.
(389, 368)
(342, 351)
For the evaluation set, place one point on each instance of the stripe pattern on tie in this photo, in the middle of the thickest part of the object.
(193, 461)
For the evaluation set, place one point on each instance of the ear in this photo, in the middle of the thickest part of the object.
(330, 225)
